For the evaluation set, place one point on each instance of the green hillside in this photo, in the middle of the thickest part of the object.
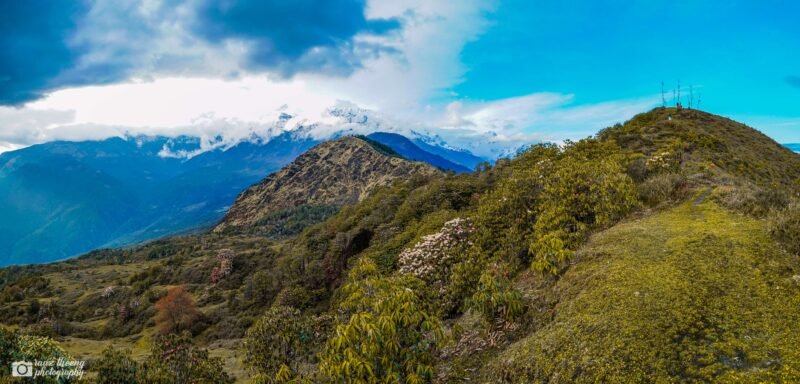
(663, 250)
(690, 294)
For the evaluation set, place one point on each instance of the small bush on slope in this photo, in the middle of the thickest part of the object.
(694, 294)
(116, 366)
(173, 359)
(784, 226)
(279, 343)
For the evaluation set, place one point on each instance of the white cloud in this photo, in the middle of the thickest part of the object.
(540, 116)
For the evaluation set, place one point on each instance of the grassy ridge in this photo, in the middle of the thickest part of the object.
(693, 294)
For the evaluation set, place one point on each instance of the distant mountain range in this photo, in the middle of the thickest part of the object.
(61, 199)
(794, 147)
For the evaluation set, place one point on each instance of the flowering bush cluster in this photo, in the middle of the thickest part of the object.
(665, 161)
(431, 258)
(107, 292)
(225, 267)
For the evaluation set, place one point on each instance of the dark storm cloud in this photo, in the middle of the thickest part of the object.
(34, 46)
(41, 48)
(793, 81)
(50, 44)
(293, 36)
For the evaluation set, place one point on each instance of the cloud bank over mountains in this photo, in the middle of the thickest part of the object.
(221, 72)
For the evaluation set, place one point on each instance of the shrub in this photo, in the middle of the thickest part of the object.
(752, 200)
(277, 344)
(660, 188)
(540, 213)
(115, 366)
(495, 299)
(387, 336)
(225, 267)
(432, 257)
(784, 226)
(174, 360)
(295, 297)
(19, 347)
(579, 193)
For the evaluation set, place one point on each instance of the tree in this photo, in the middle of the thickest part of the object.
(386, 336)
(116, 366)
(588, 187)
(176, 311)
(276, 345)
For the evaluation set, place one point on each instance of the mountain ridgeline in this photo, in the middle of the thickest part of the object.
(665, 249)
(62, 199)
(334, 173)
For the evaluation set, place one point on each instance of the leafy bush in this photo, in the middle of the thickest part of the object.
(15, 346)
(386, 336)
(579, 193)
(116, 366)
(432, 257)
(174, 360)
(552, 197)
(495, 299)
(278, 343)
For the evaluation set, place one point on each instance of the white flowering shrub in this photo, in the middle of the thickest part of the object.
(431, 258)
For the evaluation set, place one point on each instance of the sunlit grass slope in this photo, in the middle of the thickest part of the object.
(690, 294)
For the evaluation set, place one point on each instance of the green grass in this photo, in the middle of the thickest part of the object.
(691, 294)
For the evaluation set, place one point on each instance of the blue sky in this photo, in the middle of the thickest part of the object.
(485, 75)
(743, 56)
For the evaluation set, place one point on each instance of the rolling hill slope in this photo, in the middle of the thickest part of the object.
(652, 253)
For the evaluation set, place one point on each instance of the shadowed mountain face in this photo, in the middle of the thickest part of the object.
(458, 156)
(412, 151)
(61, 199)
(333, 173)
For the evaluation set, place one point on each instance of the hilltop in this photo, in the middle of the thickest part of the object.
(703, 142)
(333, 173)
(662, 250)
